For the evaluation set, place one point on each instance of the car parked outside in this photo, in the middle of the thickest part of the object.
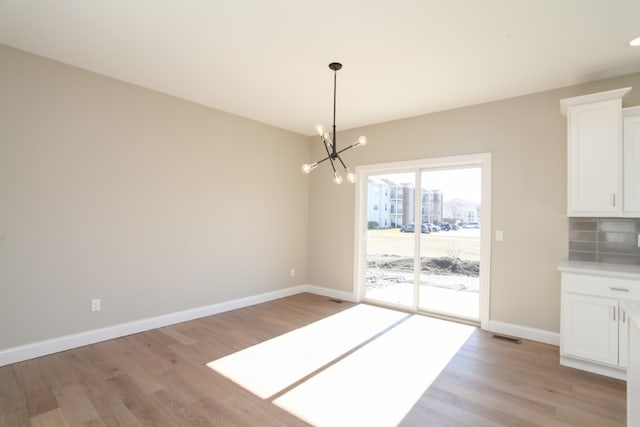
(431, 227)
(471, 225)
(445, 226)
(411, 228)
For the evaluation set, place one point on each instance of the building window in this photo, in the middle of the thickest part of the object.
(375, 207)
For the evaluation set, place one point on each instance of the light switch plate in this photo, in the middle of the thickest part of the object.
(499, 236)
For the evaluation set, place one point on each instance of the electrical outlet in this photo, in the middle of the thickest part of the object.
(292, 272)
(95, 304)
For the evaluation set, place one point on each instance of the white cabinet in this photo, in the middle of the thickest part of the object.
(590, 328)
(594, 324)
(631, 166)
(623, 333)
(633, 372)
(594, 152)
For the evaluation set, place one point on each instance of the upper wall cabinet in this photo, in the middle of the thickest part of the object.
(595, 154)
(631, 154)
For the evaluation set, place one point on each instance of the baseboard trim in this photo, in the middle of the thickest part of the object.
(596, 368)
(525, 332)
(331, 293)
(67, 342)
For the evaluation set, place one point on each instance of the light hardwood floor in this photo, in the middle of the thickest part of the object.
(160, 378)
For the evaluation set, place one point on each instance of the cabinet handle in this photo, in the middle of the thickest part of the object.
(613, 199)
(624, 316)
(614, 313)
(619, 289)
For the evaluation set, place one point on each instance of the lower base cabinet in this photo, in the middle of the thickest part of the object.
(633, 374)
(594, 324)
(591, 328)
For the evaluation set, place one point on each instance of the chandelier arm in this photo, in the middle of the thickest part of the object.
(326, 158)
(345, 149)
(343, 165)
(316, 164)
(324, 143)
(333, 166)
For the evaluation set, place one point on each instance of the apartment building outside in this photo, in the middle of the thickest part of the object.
(390, 204)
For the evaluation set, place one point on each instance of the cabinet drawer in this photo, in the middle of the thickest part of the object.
(600, 286)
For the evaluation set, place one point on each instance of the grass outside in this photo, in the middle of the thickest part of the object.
(449, 265)
(463, 244)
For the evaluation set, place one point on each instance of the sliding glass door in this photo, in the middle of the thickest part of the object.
(421, 235)
(449, 281)
(390, 245)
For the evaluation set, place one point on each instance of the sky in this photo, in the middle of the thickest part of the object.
(454, 183)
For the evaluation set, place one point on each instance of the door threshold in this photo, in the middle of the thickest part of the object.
(442, 316)
(452, 318)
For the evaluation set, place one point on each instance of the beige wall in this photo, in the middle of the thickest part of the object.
(527, 139)
(149, 202)
(156, 204)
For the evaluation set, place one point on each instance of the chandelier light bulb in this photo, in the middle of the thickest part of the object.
(362, 141)
(351, 177)
(337, 178)
(320, 130)
(307, 168)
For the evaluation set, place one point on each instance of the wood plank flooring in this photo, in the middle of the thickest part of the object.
(160, 378)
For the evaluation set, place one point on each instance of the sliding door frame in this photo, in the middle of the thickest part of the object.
(481, 160)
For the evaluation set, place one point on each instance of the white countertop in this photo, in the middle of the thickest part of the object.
(601, 269)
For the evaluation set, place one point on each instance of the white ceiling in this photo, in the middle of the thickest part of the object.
(268, 60)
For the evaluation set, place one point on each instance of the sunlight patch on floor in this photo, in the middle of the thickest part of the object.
(268, 368)
(378, 384)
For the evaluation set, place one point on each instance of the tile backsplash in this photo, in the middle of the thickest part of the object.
(613, 240)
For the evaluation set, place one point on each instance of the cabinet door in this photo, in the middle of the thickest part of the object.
(594, 147)
(633, 377)
(631, 155)
(590, 328)
(623, 339)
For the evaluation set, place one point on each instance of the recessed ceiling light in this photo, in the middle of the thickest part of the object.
(635, 42)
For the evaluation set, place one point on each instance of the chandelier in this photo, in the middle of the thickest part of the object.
(329, 142)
